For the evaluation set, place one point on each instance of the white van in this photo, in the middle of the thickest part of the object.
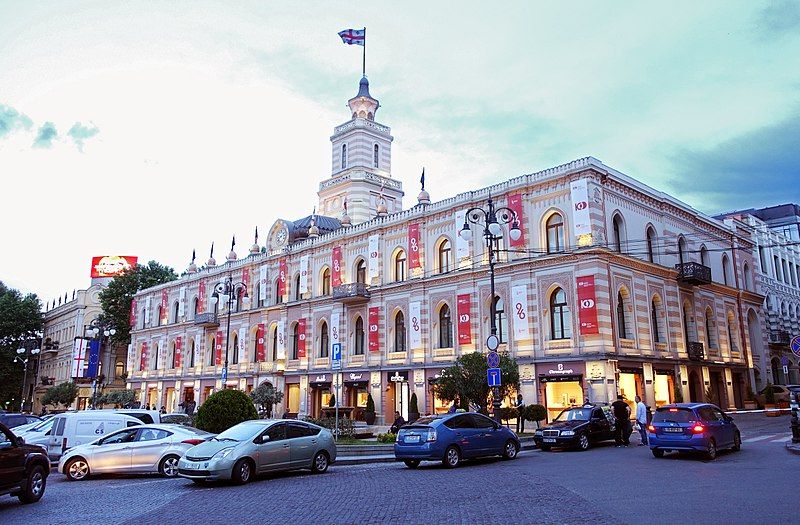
(148, 417)
(77, 428)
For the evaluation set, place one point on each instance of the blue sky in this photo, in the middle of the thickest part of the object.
(130, 127)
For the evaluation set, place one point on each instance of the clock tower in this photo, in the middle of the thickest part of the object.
(361, 165)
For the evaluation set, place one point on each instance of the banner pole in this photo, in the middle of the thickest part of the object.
(364, 55)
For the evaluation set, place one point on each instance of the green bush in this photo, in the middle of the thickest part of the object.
(677, 392)
(346, 427)
(413, 407)
(224, 409)
(507, 413)
(387, 438)
(332, 401)
(370, 404)
(535, 413)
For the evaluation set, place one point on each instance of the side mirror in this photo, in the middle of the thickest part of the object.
(20, 440)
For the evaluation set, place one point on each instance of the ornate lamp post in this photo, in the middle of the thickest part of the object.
(100, 330)
(228, 292)
(492, 220)
(24, 355)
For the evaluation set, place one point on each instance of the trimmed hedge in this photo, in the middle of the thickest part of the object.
(224, 409)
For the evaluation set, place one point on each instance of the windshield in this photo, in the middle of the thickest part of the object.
(575, 414)
(44, 426)
(427, 420)
(673, 415)
(240, 432)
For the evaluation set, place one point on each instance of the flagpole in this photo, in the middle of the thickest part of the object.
(364, 55)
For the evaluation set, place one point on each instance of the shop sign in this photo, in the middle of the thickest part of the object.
(374, 334)
(464, 324)
(218, 348)
(178, 351)
(323, 378)
(398, 376)
(515, 203)
(356, 377)
(579, 192)
(143, 358)
(164, 307)
(374, 256)
(587, 305)
(260, 332)
(560, 370)
(181, 301)
(262, 283)
(201, 297)
(462, 245)
(281, 339)
(303, 274)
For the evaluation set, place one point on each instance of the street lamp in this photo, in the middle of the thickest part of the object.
(99, 330)
(228, 292)
(492, 219)
(22, 357)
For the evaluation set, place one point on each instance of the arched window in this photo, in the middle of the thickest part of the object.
(142, 317)
(726, 270)
(174, 354)
(399, 332)
(195, 307)
(681, 250)
(323, 340)
(156, 356)
(119, 369)
(651, 244)
(212, 351)
(619, 232)
(732, 341)
(555, 233)
(297, 293)
(375, 155)
(175, 307)
(358, 343)
(361, 271)
(622, 327)
(711, 336)
(274, 343)
(500, 319)
(399, 265)
(748, 283)
(295, 340)
(191, 355)
(161, 320)
(344, 156)
(259, 300)
(704, 255)
(326, 281)
(444, 257)
(688, 326)
(656, 322)
(560, 316)
(278, 296)
(445, 328)
(235, 357)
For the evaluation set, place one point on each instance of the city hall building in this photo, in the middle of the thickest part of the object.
(613, 287)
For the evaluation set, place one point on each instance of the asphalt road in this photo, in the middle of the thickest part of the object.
(603, 485)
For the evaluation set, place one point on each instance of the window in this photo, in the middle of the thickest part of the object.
(762, 259)
(299, 430)
(619, 230)
(297, 293)
(361, 271)
(211, 351)
(444, 256)
(777, 268)
(726, 270)
(278, 296)
(681, 250)
(655, 325)
(463, 421)
(445, 328)
(323, 340)
(174, 354)
(161, 318)
(175, 308)
(344, 156)
(732, 344)
(123, 436)
(295, 340)
(400, 266)
(555, 233)
(259, 299)
(191, 353)
(152, 434)
(500, 319)
(276, 432)
(235, 349)
(195, 306)
(275, 343)
(481, 421)
(651, 244)
(375, 152)
(144, 311)
(560, 318)
(119, 369)
(154, 361)
(704, 255)
(358, 346)
(711, 338)
(622, 329)
(399, 332)
(326, 281)
(748, 283)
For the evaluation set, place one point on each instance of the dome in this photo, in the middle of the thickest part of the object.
(313, 231)
(346, 220)
(424, 197)
(382, 211)
(211, 262)
(192, 268)
(255, 249)
(232, 256)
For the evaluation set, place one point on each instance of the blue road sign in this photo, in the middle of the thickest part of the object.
(493, 376)
(224, 374)
(493, 360)
(795, 344)
(336, 355)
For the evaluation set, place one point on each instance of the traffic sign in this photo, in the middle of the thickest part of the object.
(493, 376)
(795, 344)
(492, 342)
(224, 374)
(336, 356)
(493, 360)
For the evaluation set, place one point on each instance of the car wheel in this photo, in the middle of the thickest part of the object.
(320, 463)
(34, 485)
(76, 469)
(452, 457)
(737, 443)
(658, 453)
(583, 442)
(242, 472)
(711, 450)
(545, 448)
(169, 466)
(510, 450)
(411, 463)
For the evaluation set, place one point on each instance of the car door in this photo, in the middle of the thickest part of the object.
(302, 444)
(54, 444)
(465, 434)
(488, 439)
(272, 449)
(713, 427)
(113, 452)
(599, 426)
(726, 426)
(12, 460)
(147, 449)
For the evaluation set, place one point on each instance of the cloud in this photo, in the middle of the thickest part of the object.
(80, 133)
(12, 120)
(47, 134)
(755, 169)
(779, 18)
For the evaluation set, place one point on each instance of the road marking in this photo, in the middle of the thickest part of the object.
(140, 483)
(759, 438)
(782, 440)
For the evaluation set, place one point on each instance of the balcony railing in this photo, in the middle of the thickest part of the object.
(351, 293)
(693, 273)
(207, 319)
(780, 338)
(695, 351)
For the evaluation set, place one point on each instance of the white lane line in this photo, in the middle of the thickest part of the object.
(782, 440)
(140, 483)
(759, 438)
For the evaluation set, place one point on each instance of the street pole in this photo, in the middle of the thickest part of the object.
(228, 329)
(493, 322)
(336, 403)
(24, 382)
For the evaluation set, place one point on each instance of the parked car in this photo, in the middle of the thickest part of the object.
(77, 428)
(177, 418)
(38, 434)
(577, 427)
(781, 392)
(449, 438)
(23, 468)
(136, 450)
(12, 419)
(258, 446)
(34, 423)
(700, 427)
(148, 417)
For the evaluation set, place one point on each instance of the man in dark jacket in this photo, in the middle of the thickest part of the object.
(398, 422)
(622, 413)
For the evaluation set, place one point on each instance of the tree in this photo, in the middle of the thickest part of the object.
(116, 298)
(119, 397)
(535, 413)
(466, 380)
(266, 396)
(224, 409)
(21, 322)
(63, 394)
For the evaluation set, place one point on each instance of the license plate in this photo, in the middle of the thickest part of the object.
(193, 466)
(549, 440)
(412, 439)
(675, 430)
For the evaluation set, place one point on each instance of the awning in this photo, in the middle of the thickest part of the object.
(561, 378)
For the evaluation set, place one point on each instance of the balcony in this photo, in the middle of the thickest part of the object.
(779, 338)
(693, 273)
(353, 293)
(695, 351)
(206, 319)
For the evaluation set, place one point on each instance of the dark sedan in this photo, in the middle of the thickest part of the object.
(577, 427)
(23, 468)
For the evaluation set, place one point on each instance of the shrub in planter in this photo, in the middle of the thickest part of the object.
(677, 392)
(413, 409)
(507, 413)
(224, 409)
(387, 438)
(369, 412)
(346, 427)
(535, 413)
(332, 401)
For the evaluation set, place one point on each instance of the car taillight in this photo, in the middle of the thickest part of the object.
(431, 435)
(193, 441)
(651, 428)
(698, 429)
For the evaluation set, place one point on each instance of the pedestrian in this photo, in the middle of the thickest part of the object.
(641, 420)
(520, 406)
(453, 407)
(398, 422)
(163, 410)
(622, 413)
(285, 414)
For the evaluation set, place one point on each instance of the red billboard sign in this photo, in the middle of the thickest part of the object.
(282, 278)
(301, 338)
(587, 305)
(143, 358)
(218, 348)
(336, 263)
(133, 313)
(260, 333)
(515, 203)
(464, 321)
(112, 265)
(201, 297)
(413, 247)
(178, 351)
(374, 333)
(164, 307)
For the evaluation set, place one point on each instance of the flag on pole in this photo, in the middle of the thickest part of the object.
(422, 179)
(353, 36)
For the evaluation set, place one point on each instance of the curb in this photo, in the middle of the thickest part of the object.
(794, 448)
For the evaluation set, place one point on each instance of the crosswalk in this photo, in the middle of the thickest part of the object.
(771, 438)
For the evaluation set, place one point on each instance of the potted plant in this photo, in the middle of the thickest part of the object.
(677, 392)
(332, 401)
(711, 396)
(769, 401)
(750, 402)
(413, 409)
(535, 413)
(369, 412)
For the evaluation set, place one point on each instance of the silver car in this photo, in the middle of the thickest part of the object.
(259, 446)
(134, 450)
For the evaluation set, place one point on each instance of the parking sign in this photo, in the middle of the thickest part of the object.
(336, 356)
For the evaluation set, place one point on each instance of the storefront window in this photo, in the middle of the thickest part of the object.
(561, 395)
(293, 402)
(325, 398)
(440, 406)
(361, 397)
(628, 389)
(662, 386)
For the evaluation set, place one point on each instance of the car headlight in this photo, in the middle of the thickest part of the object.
(567, 432)
(222, 454)
(539, 431)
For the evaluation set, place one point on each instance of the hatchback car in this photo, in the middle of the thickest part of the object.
(449, 438)
(12, 420)
(259, 446)
(700, 427)
(577, 427)
(136, 450)
(23, 468)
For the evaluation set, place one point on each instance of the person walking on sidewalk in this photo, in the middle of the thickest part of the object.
(622, 413)
(641, 420)
(520, 406)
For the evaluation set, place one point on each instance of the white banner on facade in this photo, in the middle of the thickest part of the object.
(374, 254)
(262, 283)
(281, 339)
(147, 306)
(79, 356)
(519, 297)
(415, 328)
(462, 245)
(335, 335)
(131, 357)
(303, 274)
(242, 344)
(579, 193)
(181, 300)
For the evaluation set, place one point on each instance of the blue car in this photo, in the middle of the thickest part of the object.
(449, 438)
(699, 427)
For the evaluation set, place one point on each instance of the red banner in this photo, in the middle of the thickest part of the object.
(201, 297)
(246, 279)
(143, 358)
(413, 247)
(282, 278)
(260, 332)
(218, 348)
(112, 265)
(133, 313)
(301, 338)
(164, 307)
(464, 321)
(374, 333)
(587, 305)
(515, 203)
(336, 263)
(178, 351)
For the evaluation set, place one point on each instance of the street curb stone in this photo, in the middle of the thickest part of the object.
(794, 448)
